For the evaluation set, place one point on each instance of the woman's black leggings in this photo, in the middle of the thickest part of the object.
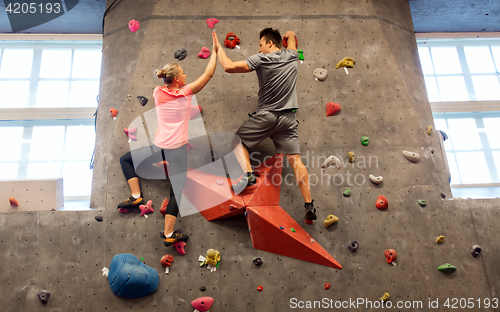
(137, 163)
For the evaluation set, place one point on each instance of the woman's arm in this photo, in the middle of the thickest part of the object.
(202, 81)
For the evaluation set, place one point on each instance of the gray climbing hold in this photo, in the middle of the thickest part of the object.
(180, 54)
(376, 180)
(43, 295)
(476, 250)
(353, 245)
(320, 73)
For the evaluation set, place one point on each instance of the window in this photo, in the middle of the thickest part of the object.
(462, 78)
(48, 95)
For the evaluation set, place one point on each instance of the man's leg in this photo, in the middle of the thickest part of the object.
(241, 154)
(301, 175)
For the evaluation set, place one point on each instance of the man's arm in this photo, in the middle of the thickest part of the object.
(290, 37)
(228, 65)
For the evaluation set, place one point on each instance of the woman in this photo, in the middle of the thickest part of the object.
(173, 102)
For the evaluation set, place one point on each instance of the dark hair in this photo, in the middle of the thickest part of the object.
(272, 35)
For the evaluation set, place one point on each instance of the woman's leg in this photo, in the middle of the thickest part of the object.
(177, 159)
(142, 155)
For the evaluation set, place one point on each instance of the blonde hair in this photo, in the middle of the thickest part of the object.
(168, 73)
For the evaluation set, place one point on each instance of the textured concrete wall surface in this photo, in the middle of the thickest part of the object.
(382, 97)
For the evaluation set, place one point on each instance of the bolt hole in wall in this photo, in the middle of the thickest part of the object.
(48, 95)
(462, 78)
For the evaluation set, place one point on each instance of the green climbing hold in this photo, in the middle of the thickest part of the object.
(292, 229)
(421, 202)
(142, 258)
(347, 193)
(447, 268)
(294, 110)
(364, 140)
(301, 54)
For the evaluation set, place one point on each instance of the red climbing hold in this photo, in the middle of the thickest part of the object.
(382, 202)
(113, 112)
(202, 304)
(13, 201)
(390, 255)
(231, 40)
(204, 53)
(148, 208)
(195, 111)
(164, 205)
(285, 42)
(130, 133)
(179, 246)
(327, 286)
(332, 108)
(133, 25)
(166, 260)
(211, 22)
(260, 288)
(308, 221)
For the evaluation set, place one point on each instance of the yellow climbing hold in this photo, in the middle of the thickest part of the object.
(351, 157)
(346, 62)
(429, 130)
(385, 297)
(440, 239)
(331, 219)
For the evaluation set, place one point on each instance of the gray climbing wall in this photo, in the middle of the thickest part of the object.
(383, 97)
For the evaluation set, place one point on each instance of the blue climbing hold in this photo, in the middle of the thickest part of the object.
(130, 278)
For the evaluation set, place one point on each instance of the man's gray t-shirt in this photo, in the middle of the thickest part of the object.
(277, 73)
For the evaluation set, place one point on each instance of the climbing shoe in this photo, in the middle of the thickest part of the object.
(174, 238)
(131, 202)
(246, 180)
(310, 211)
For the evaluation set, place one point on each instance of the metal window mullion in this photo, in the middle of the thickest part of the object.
(71, 75)
(35, 76)
(488, 155)
(453, 151)
(497, 66)
(22, 170)
(466, 73)
(434, 75)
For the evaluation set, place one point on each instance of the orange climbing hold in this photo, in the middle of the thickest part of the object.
(231, 40)
(327, 286)
(382, 202)
(113, 112)
(13, 201)
(260, 288)
(285, 42)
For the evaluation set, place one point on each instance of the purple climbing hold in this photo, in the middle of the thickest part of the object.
(43, 295)
(353, 246)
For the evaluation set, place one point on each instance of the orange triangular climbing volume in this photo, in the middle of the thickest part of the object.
(266, 192)
(264, 225)
(212, 199)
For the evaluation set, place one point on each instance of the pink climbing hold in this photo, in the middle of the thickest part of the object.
(202, 304)
(133, 25)
(211, 22)
(204, 53)
(123, 210)
(146, 208)
(130, 133)
(332, 108)
(179, 246)
(195, 111)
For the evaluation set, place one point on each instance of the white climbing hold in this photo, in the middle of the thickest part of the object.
(320, 73)
(331, 160)
(411, 156)
(374, 179)
(105, 271)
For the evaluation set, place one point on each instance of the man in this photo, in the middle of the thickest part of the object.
(275, 118)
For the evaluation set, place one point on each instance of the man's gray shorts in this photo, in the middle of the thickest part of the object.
(280, 126)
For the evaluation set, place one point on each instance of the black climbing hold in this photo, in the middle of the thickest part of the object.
(443, 196)
(180, 54)
(203, 288)
(476, 250)
(353, 246)
(43, 295)
(143, 100)
(98, 218)
(257, 261)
